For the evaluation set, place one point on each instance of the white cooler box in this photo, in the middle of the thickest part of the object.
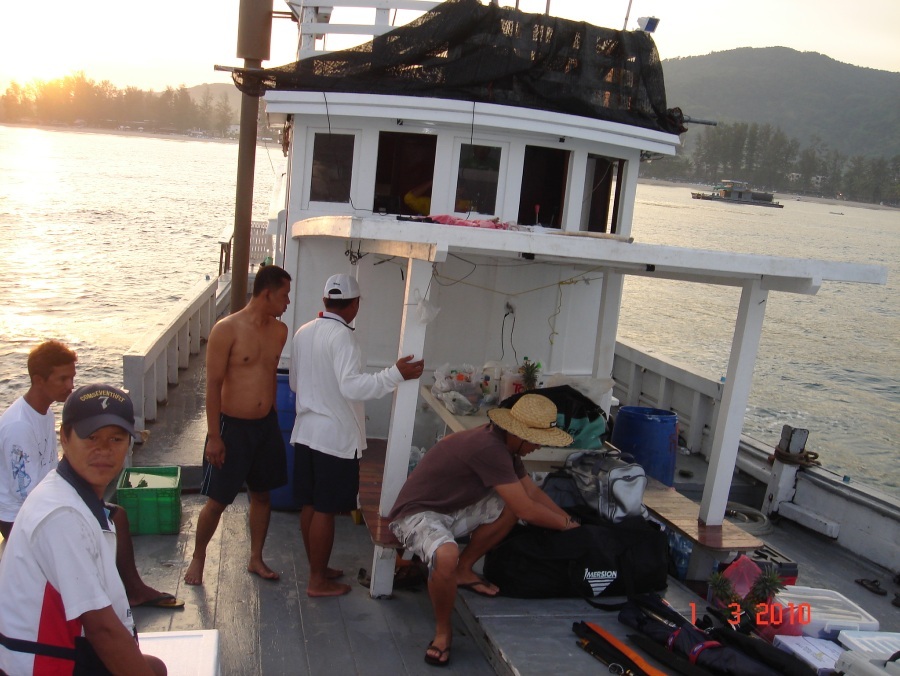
(186, 653)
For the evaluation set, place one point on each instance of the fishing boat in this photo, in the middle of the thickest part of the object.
(738, 192)
(524, 134)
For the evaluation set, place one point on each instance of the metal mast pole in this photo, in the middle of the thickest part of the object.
(253, 44)
(625, 25)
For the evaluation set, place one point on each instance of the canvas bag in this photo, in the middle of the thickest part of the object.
(610, 482)
(588, 561)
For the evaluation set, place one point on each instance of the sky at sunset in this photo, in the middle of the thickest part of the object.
(169, 42)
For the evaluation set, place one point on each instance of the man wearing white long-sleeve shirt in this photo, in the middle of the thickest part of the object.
(329, 431)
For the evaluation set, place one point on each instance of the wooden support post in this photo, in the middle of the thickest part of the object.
(381, 582)
(403, 413)
(730, 419)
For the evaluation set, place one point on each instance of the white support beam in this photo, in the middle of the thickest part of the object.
(406, 396)
(150, 392)
(607, 327)
(700, 411)
(403, 413)
(575, 204)
(730, 418)
(627, 193)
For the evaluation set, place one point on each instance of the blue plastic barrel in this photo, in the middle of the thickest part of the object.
(283, 498)
(651, 436)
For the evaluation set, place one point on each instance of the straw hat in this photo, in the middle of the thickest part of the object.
(532, 418)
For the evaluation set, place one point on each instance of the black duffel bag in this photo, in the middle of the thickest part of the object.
(593, 560)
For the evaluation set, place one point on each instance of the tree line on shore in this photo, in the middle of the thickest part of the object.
(79, 101)
(759, 153)
(766, 157)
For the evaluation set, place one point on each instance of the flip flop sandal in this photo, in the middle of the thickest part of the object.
(163, 601)
(873, 586)
(437, 661)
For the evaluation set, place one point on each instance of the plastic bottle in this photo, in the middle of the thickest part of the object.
(680, 548)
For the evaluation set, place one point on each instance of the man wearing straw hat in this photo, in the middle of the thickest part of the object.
(474, 482)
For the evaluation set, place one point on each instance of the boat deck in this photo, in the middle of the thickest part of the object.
(274, 628)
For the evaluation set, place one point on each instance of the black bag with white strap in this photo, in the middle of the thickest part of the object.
(593, 560)
(609, 482)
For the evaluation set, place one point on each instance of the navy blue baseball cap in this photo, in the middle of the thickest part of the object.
(91, 407)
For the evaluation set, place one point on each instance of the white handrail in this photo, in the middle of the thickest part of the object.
(151, 364)
(314, 19)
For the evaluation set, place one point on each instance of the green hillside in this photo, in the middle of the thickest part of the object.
(853, 110)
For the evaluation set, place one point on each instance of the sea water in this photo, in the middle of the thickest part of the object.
(101, 234)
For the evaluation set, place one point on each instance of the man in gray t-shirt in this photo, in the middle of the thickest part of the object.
(474, 482)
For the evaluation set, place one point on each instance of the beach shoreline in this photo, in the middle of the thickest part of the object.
(783, 197)
(116, 132)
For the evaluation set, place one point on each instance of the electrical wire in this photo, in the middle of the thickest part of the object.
(339, 167)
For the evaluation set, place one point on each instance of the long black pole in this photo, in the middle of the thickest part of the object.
(243, 201)
(254, 40)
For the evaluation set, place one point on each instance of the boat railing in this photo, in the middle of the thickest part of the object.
(644, 380)
(315, 24)
(151, 365)
(260, 245)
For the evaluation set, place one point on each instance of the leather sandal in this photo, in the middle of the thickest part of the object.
(873, 586)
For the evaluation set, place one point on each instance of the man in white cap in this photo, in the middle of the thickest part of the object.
(474, 482)
(329, 431)
(61, 598)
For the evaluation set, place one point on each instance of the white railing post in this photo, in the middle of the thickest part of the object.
(152, 363)
(133, 381)
(184, 343)
(172, 361)
(195, 331)
(150, 392)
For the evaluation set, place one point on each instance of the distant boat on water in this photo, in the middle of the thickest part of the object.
(738, 192)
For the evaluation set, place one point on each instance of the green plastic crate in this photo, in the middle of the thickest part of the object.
(151, 511)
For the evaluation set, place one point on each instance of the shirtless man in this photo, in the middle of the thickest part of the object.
(243, 438)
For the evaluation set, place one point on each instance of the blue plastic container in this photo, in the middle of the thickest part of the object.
(283, 498)
(651, 436)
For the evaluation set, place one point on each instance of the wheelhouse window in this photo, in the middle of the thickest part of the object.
(542, 197)
(477, 179)
(603, 178)
(332, 168)
(404, 173)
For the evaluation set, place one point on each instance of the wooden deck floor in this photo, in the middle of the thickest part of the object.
(271, 628)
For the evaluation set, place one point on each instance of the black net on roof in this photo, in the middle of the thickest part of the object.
(465, 50)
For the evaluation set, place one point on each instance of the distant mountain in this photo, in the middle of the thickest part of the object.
(850, 109)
